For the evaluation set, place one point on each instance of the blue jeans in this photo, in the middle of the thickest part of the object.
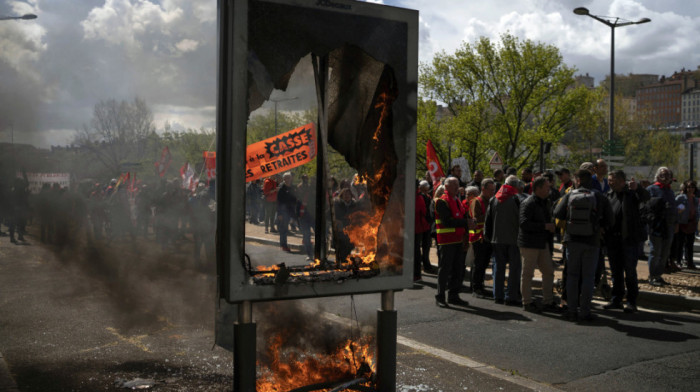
(623, 268)
(659, 251)
(506, 254)
(582, 260)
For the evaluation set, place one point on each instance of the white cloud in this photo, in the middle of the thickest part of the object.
(187, 45)
(183, 117)
(120, 22)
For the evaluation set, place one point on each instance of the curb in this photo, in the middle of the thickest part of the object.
(682, 301)
(7, 383)
(266, 241)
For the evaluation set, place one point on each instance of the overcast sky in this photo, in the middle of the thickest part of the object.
(55, 68)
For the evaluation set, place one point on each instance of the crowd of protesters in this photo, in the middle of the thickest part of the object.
(511, 221)
(113, 210)
(508, 222)
(282, 206)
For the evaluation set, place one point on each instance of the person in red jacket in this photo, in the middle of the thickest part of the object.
(270, 200)
(451, 225)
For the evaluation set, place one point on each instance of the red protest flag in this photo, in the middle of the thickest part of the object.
(434, 167)
(210, 164)
(164, 162)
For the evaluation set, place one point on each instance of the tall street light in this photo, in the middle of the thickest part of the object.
(276, 100)
(612, 22)
(24, 17)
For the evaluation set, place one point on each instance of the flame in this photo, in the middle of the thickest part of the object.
(383, 102)
(363, 230)
(292, 369)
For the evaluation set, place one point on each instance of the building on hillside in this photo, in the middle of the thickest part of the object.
(585, 80)
(660, 103)
(442, 112)
(690, 108)
(627, 85)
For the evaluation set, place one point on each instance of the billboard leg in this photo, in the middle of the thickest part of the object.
(386, 344)
(244, 350)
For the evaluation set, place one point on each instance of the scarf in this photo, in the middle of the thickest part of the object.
(662, 186)
(506, 192)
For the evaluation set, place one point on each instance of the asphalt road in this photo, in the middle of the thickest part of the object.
(87, 318)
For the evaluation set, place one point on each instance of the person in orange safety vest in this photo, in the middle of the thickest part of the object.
(451, 225)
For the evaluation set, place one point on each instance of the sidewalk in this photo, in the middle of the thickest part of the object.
(647, 293)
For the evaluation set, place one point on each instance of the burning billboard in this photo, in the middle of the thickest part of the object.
(363, 58)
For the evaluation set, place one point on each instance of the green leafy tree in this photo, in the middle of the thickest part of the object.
(505, 97)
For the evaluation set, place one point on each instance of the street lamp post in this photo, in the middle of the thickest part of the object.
(276, 100)
(612, 22)
(23, 17)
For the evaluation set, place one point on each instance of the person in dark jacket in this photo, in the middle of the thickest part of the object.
(501, 230)
(425, 237)
(687, 205)
(421, 229)
(583, 250)
(662, 226)
(623, 237)
(286, 206)
(536, 229)
(343, 208)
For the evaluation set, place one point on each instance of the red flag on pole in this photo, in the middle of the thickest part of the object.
(210, 164)
(434, 167)
(188, 177)
(164, 161)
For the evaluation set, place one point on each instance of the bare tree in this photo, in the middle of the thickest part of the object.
(117, 132)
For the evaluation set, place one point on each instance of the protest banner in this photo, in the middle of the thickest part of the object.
(281, 153)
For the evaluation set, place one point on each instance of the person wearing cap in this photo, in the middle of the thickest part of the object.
(564, 180)
(583, 249)
(663, 226)
(591, 168)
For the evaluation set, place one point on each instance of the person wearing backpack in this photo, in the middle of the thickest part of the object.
(623, 238)
(586, 213)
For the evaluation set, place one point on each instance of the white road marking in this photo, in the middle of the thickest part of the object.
(459, 360)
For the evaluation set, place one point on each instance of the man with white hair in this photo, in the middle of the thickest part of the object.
(662, 225)
(451, 224)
